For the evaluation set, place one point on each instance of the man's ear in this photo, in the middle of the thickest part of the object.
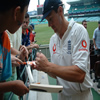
(60, 9)
(17, 13)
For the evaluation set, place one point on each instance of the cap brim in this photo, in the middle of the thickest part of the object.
(45, 15)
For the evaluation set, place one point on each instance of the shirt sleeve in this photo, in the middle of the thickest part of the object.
(80, 53)
(94, 35)
(31, 37)
(10, 38)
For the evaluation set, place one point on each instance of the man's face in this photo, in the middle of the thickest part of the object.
(54, 21)
(99, 25)
(25, 23)
(85, 24)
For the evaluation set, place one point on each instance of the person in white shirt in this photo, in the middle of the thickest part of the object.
(69, 50)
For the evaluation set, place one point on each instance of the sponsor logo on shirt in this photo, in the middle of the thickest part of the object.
(54, 49)
(84, 45)
(69, 47)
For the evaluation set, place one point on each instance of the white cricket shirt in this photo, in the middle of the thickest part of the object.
(72, 49)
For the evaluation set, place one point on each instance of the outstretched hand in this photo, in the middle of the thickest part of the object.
(34, 45)
(19, 88)
(42, 62)
(23, 53)
(15, 61)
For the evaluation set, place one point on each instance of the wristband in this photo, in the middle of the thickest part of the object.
(17, 55)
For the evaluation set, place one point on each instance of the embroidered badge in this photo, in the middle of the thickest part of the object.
(69, 47)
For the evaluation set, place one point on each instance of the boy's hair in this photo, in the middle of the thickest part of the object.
(84, 21)
(6, 5)
(26, 15)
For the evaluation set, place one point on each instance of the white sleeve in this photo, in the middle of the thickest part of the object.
(50, 49)
(10, 38)
(80, 51)
(50, 46)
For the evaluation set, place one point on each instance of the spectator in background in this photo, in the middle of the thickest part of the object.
(26, 34)
(84, 23)
(33, 28)
(11, 18)
(96, 39)
(26, 40)
(69, 50)
(32, 35)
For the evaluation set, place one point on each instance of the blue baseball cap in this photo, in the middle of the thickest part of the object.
(32, 26)
(48, 6)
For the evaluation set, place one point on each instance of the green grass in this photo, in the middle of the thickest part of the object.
(91, 27)
(43, 32)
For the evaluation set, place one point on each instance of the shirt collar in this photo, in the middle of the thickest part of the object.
(26, 31)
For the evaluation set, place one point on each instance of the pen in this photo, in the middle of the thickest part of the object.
(28, 63)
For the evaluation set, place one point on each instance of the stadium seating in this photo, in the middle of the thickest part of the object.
(85, 11)
(37, 21)
(80, 19)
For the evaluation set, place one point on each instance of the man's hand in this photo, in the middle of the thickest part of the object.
(23, 53)
(41, 62)
(34, 46)
(15, 61)
(96, 48)
(19, 88)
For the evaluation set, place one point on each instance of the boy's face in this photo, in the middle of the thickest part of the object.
(25, 23)
(17, 19)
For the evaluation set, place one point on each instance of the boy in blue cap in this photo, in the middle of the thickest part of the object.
(69, 50)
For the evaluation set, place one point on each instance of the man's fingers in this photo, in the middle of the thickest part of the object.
(26, 57)
(18, 60)
(38, 54)
(22, 50)
(15, 64)
(22, 47)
